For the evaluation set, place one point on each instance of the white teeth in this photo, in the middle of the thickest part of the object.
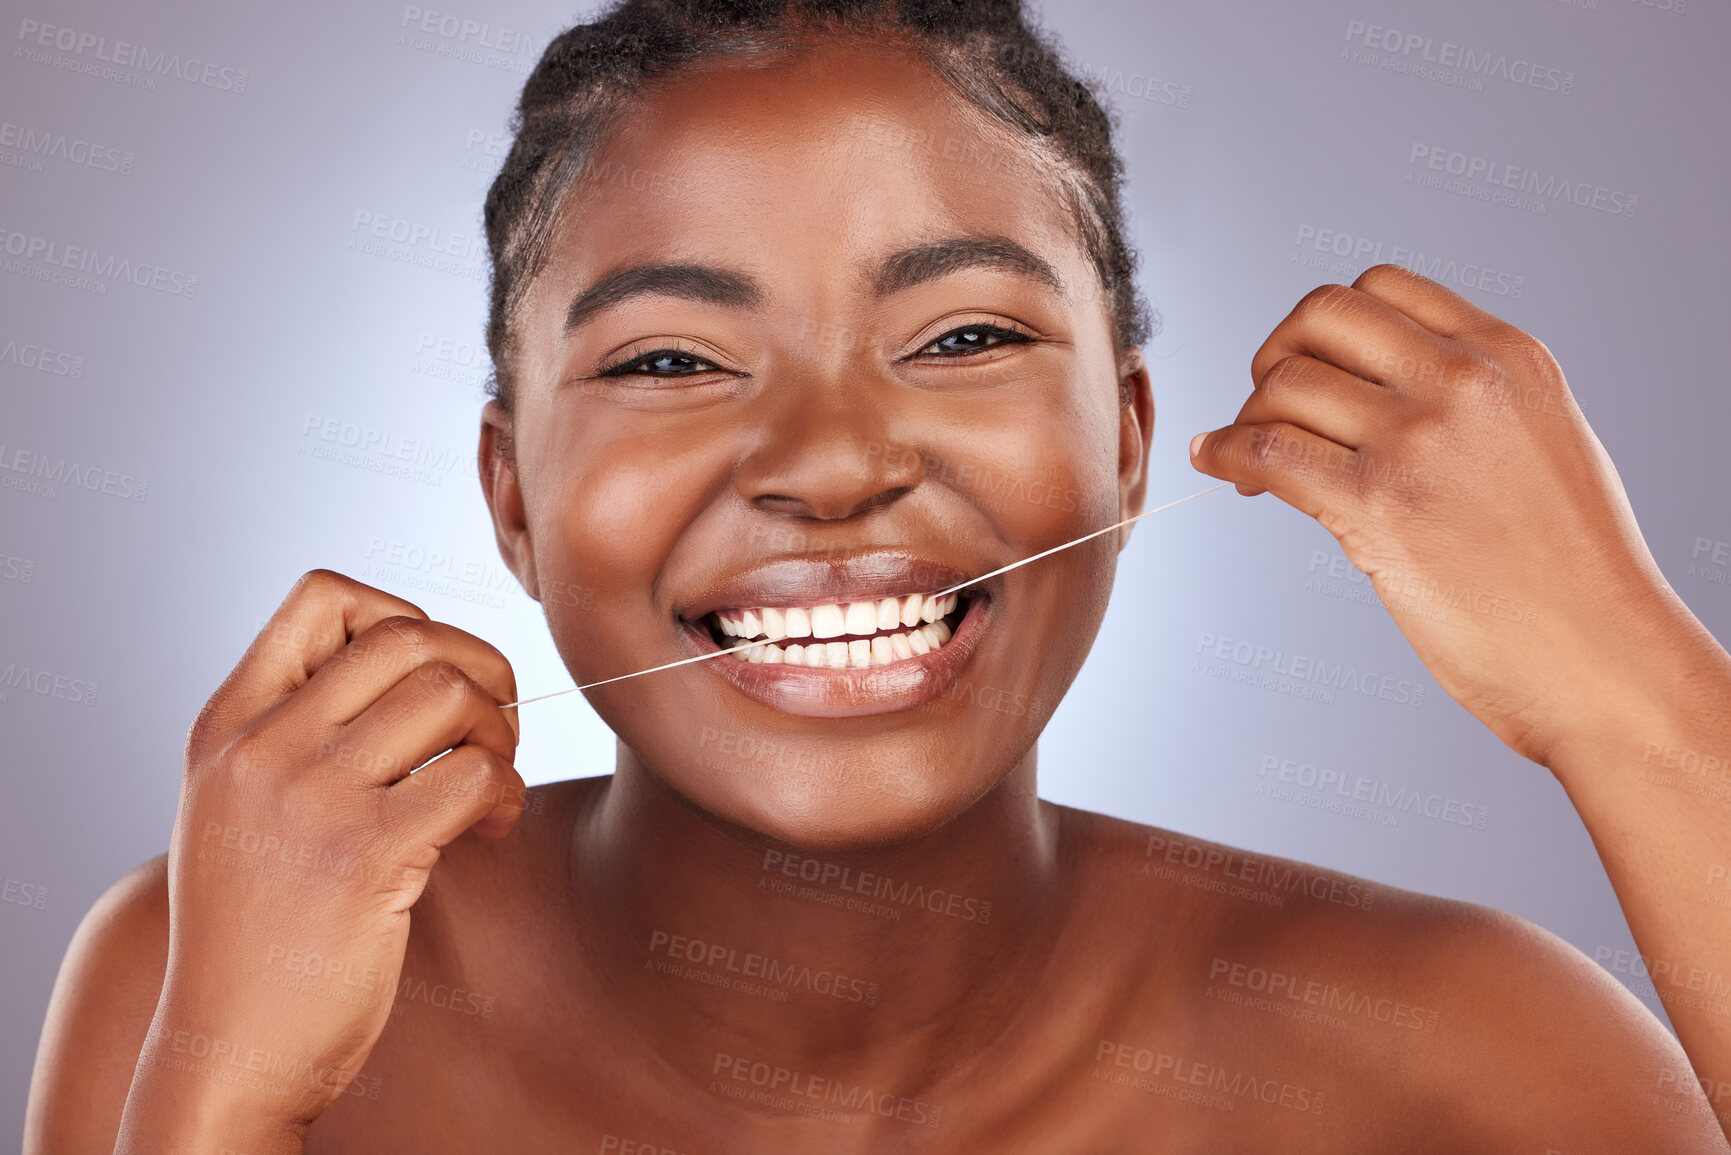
(827, 622)
(862, 617)
(911, 604)
(879, 630)
(889, 614)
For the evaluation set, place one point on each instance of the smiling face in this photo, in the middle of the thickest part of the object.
(815, 341)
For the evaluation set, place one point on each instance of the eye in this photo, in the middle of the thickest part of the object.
(970, 338)
(661, 363)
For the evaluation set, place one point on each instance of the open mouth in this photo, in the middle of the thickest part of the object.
(841, 635)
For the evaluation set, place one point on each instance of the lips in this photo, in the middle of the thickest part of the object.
(841, 637)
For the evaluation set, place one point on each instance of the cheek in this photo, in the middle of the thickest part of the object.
(1039, 469)
(603, 517)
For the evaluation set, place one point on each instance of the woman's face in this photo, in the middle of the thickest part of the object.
(815, 336)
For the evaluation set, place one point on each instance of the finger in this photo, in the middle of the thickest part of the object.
(1356, 331)
(352, 679)
(1308, 472)
(1443, 311)
(469, 787)
(322, 613)
(1324, 399)
(431, 710)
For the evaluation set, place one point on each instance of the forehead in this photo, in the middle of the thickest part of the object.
(815, 162)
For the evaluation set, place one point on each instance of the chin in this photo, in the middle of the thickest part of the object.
(837, 801)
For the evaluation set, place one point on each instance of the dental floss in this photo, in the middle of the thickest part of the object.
(941, 593)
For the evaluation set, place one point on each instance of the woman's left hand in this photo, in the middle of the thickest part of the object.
(1442, 448)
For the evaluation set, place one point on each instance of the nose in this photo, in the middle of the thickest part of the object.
(827, 455)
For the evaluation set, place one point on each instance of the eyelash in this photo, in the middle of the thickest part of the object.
(630, 366)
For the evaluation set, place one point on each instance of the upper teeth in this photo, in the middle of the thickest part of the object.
(883, 626)
(889, 615)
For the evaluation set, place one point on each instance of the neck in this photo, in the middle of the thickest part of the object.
(885, 963)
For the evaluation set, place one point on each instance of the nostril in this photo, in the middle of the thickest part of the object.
(883, 498)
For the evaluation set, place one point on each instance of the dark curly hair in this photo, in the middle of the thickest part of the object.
(593, 74)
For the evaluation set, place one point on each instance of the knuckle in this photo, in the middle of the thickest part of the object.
(319, 585)
(1325, 300)
(1383, 274)
(406, 639)
(1284, 374)
(445, 683)
(249, 754)
(1265, 444)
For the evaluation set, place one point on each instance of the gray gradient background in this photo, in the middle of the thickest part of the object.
(1242, 124)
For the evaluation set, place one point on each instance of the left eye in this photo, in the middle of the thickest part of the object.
(661, 363)
(967, 340)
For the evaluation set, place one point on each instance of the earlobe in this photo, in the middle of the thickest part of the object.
(502, 488)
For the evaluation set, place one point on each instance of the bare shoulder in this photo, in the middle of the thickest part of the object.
(99, 1015)
(1432, 1023)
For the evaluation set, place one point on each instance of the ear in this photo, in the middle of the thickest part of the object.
(503, 490)
(1135, 436)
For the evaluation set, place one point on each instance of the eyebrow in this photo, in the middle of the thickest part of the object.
(708, 284)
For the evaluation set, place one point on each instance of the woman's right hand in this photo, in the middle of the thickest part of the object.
(301, 842)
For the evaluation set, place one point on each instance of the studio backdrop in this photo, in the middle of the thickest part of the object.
(241, 337)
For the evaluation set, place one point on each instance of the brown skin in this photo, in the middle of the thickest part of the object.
(1105, 941)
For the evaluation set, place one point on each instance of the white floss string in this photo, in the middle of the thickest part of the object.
(939, 594)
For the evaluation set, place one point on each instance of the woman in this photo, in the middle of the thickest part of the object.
(799, 320)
